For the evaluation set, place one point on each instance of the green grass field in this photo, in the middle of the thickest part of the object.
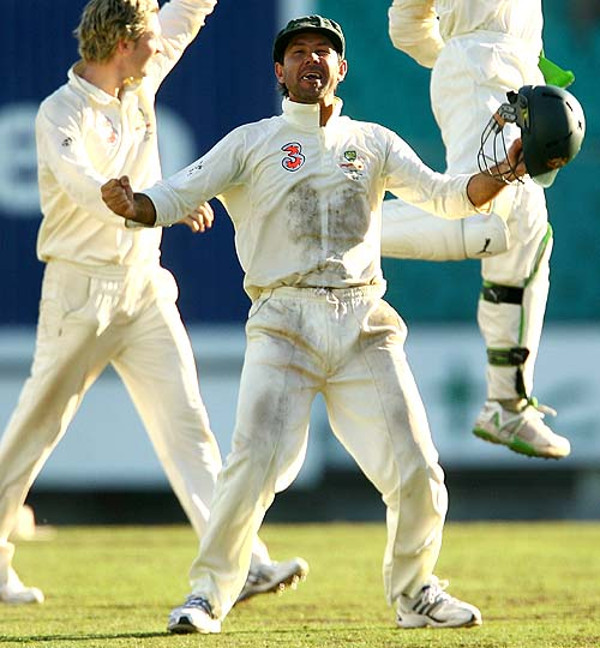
(537, 584)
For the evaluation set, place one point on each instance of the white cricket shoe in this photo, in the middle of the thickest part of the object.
(435, 608)
(524, 432)
(195, 615)
(15, 593)
(274, 577)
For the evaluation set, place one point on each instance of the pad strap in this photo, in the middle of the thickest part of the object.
(514, 357)
(499, 294)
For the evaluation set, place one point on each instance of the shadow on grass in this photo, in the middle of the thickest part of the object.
(82, 637)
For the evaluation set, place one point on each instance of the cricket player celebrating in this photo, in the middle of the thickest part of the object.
(304, 190)
(478, 51)
(105, 297)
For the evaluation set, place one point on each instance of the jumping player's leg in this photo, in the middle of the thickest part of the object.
(511, 312)
(515, 283)
(510, 316)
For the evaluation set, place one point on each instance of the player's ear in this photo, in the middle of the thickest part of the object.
(342, 70)
(124, 47)
(279, 72)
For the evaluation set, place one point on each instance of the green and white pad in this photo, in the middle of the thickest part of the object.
(511, 319)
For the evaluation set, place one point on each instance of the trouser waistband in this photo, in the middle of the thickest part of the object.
(319, 293)
(108, 271)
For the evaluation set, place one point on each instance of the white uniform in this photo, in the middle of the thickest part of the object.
(479, 51)
(306, 203)
(105, 297)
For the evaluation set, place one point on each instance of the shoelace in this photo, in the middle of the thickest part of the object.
(542, 409)
(199, 602)
(531, 411)
(435, 592)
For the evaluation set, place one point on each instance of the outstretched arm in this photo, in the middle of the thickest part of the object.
(484, 187)
(120, 198)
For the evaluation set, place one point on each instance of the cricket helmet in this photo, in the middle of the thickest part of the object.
(552, 125)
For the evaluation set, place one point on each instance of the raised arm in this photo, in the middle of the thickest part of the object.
(180, 21)
(414, 29)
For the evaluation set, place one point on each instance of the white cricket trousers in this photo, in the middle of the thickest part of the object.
(89, 318)
(469, 81)
(347, 344)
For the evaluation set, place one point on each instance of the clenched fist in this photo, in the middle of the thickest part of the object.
(119, 197)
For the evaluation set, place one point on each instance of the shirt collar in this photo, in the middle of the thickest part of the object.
(89, 89)
(306, 116)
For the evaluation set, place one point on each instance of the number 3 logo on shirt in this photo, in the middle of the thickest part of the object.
(294, 158)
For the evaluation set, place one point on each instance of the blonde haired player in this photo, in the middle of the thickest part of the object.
(478, 51)
(105, 297)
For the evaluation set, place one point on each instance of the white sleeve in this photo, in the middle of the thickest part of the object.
(414, 29)
(209, 176)
(412, 180)
(180, 22)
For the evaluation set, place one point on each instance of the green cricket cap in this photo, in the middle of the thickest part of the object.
(313, 23)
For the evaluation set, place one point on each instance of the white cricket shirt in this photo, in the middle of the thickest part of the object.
(306, 200)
